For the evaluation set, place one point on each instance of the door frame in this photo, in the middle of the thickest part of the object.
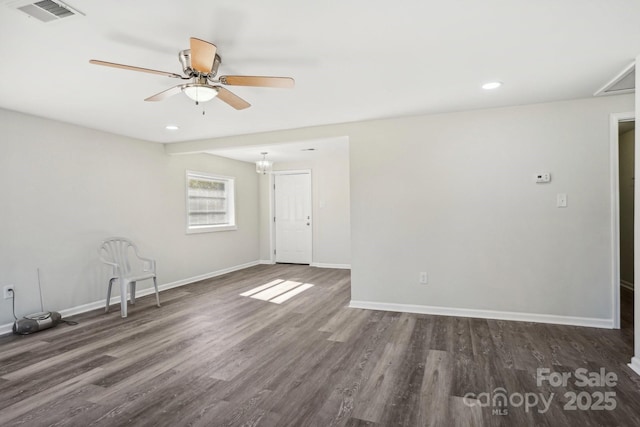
(272, 208)
(614, 158)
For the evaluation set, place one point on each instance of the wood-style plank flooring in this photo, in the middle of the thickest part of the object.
(210, 357)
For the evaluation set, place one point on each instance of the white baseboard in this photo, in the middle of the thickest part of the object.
(485, 314)
(313, 264)
(8, 328)
(627, 285)
(201, 277)
(635, 364)
(324, 265)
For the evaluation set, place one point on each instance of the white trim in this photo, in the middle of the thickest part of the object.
(266, 261)
(621, 75)
(635, 365)
(626, 285)
(272, 214)
(484, 314)
(324, 265)
(195, 229)
(7, 328)
(614, 120)
(198, 278)
(292, 172)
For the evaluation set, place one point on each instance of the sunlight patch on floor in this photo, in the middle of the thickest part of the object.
(277, 291)
(260, 288)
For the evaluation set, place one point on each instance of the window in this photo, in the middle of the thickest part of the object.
(210, 203)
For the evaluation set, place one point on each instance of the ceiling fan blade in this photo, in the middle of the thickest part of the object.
(132, 68)
(203, 54)
(261, 81)
(232, 99)
(166, 93)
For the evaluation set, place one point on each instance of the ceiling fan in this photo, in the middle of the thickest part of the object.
(200, 65)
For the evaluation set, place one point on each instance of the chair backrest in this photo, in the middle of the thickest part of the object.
(116, 250)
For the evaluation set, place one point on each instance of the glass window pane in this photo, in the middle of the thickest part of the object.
(208, 200)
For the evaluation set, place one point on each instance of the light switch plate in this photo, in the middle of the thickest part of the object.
(561, 200)
(423, 278)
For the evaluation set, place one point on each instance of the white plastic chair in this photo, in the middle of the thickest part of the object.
(117, 252)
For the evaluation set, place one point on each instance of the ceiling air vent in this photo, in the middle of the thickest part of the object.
(48, 10)
(624, 82)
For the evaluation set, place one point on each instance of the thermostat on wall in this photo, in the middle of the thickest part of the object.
(542, 177)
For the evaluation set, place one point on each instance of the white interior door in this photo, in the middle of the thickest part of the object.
(293, 218)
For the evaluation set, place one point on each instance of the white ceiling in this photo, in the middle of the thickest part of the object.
(290, 152)
(352, 59)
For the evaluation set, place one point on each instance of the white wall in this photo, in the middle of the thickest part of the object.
(453, 195)
(331, 204)
(265, 183)
(64, 188)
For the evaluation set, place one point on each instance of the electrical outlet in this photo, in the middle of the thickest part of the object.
(423, 279)
(8, 291)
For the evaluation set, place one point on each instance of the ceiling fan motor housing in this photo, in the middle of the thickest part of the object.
(185, 59)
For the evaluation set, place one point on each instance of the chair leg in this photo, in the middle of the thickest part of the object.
(106, 309)
(155, 285)
(133, 293)
(123, 297)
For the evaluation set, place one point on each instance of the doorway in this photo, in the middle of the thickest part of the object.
(626, 187)
(622, 217)
(293, 222)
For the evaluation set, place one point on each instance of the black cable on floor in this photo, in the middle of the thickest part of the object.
(13, 303)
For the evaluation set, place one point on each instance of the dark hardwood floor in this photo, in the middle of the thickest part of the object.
(210, 357)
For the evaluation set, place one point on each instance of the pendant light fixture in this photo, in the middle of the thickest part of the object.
(264, 166)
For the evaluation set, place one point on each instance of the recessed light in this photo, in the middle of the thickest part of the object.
(308, 149)
(171, 127)
(491, 85)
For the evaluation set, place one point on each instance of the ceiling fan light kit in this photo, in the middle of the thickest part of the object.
(200, 92)
(200, 64)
